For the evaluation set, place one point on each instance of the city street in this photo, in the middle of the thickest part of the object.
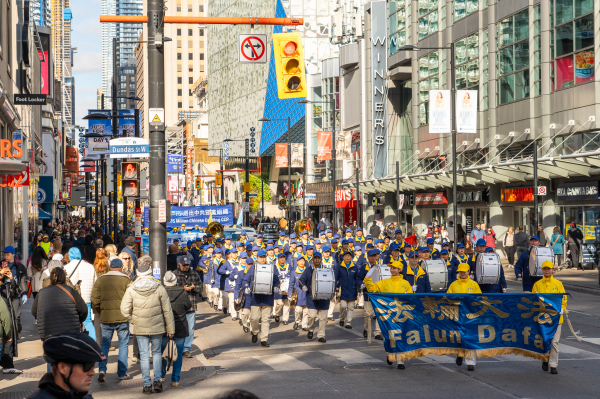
(346, 366)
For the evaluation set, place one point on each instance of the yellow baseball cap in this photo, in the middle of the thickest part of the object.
(547, 264)
(464, 267)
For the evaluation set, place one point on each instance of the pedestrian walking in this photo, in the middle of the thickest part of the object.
(128, 264)
(477, 234)
(575, 236)
(181, 306)
(557, 240)
(543, 237)
(146, 305)
(17, 285)
(5, 324)
(374, 230)
(460, 234)
(131, 249)
(509, 246)
(38, 263)
(82, 272)
(107, 296)
(190, 282)
(521, 241)
(437, 238)
(490, 238)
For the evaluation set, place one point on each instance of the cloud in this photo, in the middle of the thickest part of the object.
(87, 61)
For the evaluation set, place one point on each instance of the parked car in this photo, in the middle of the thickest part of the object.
(235, 233)
(270, 231)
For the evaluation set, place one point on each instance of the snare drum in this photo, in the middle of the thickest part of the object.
(263, 279)
(323, 284)
(380, 272)
(487, 268)
(537, 256)
(438, 274)
(284, 286)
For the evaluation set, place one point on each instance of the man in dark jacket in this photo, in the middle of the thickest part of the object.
(189, 280)
(9, 348)
(575, 236)
(107, 295)
(521, 241)
(172, 257)
(375, 230)
(181, 306)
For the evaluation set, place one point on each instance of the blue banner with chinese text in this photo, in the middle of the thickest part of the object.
(196, 215)
(415, 325)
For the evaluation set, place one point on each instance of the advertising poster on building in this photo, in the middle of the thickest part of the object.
(297, 155)
(98, 145)
(439, 111)
(343, 146)
(466, 111)
(281, 160)
(323, 146)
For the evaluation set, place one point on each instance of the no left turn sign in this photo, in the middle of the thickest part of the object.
(252, 49)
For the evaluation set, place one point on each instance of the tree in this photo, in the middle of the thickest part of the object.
(256, 182)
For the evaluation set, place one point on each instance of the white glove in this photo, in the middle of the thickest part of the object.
(228, 273)
(305, 288)
(24, 299)
(212, 281)
(371, 271)
(362, 286)
(561, 311)
(503, 289)
(248, 290)
(235, 277)
(276, 290)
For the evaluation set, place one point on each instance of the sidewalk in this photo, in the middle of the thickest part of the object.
(31, 361)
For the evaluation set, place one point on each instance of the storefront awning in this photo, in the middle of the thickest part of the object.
(12, 166)
(43, 215)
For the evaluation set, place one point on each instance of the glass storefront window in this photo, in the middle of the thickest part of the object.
(428, 17)
(398, 25)
(467, 62)
(428, 80)
(513, 57)
(484, 70)
(463, 8)
(592, 218)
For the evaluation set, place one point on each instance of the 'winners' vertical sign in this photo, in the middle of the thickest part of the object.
(379, 92)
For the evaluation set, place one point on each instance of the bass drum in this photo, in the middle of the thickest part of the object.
(438, 274)
(322, 284)
(487, 269)
(381, 272)
(263, 279)
(537, 256)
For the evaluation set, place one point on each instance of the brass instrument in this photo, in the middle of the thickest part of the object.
(216, 229)
(303, 224)
(239, 303)
(201, 269)
(293, 297)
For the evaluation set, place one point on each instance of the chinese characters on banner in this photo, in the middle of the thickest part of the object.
(197, 215)
(297, 155)
(343, 145)
(466, 111)
(439, 111)
(281, 160)
(323, 145)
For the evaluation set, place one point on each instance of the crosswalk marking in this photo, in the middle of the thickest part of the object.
(592, 340)
(351, 356)
(282, 362)
(285, 346)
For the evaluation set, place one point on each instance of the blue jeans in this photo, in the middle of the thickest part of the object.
(122, 330)
(191, 319)
(89, 324)
(177, 364)
(144, 344)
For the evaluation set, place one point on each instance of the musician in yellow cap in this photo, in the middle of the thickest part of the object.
(183, 227)
(549, 285)
(465, 285)
(396, 284)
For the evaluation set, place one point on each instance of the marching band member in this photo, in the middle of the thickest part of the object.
(281, 298)
(359, 240)
(329, 235)
(360, 260)
(373, 261)
(451, 265)
(311, 241)
(407, 250)
(446, 246)
(334, 248)
(395, 284)
(349, 235)
(435, 254)
(415, 275)
(227, 243)
(343, 250)
(345, 277)
(465, 285)
(398, 240)
(522, 267)
(209, 277)
(549, 285)
(255, 249)
(298, 254)
(271, 259)
(220, 280)
(243, 239)
(304, 239)
(318, 246)
(290, 250)
(329, 262)
(196, 255)
(226, 268)
(276, 251)
(308, 255)
(260, 241)
(424, 254)
(395, 259)
(209, 237)
(460, 253)
(316, 308)
(282, 242)
(236, 278)
(261, 305)
(386, 245)
(323, 238)
(300, 312)
(485, 288)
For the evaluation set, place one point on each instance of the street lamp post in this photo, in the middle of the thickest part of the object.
(453, 119)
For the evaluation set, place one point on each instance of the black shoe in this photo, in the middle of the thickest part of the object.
(295, 326)
(459, 360)
(102, 375)
(322, 340)
(224, 311)
(285, 323)
(349, 326)
(216, 307)
(379, 337)
(187, 354)
(310, 335)
(277, 319)
(157, 385)
(265, 344)
(147, 390)
(553, 370)
(246, 330)
(389, 362)
(545, 366)
(365, 334)
(342, 323)
(471, 368)
(304, 329)
(254, 338)
(400, 366)
(240, 320)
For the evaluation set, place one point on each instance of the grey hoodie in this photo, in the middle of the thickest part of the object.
(147, 307)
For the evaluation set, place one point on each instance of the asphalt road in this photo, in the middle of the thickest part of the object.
(347, 366)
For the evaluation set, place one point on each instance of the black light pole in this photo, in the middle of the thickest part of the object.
(450, 47)
(136, 116)
(115, 134)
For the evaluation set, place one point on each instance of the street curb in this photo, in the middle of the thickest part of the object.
(568, 287)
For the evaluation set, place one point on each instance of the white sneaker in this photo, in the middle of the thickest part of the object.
(12, 371)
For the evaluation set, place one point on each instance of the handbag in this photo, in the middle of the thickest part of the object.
(70, 283)
(170, 353)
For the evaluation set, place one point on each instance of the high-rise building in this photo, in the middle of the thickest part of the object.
(40, 12)
(140, 72)
(99, 102)
(109, 7)
(126, 84)
(63, 54)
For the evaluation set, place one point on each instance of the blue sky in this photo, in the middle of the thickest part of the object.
(87, 65)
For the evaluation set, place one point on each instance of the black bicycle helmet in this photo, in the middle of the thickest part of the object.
(77, 348)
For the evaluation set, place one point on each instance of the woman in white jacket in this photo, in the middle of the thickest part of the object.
(81, 272)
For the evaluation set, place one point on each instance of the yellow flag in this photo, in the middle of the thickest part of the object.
(210, 217)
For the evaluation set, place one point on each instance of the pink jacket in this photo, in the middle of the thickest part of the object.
(490, 240)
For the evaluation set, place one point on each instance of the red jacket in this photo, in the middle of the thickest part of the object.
(490, 239)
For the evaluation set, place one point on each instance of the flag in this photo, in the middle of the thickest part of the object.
(411, 240)
(240, 220)
(210, 217)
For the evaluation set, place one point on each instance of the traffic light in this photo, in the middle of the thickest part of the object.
(198, 183)
(130, 179)
(289, 65)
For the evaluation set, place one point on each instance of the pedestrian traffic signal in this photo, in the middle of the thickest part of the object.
(198, 184)
(130, 179)
(289, 65)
